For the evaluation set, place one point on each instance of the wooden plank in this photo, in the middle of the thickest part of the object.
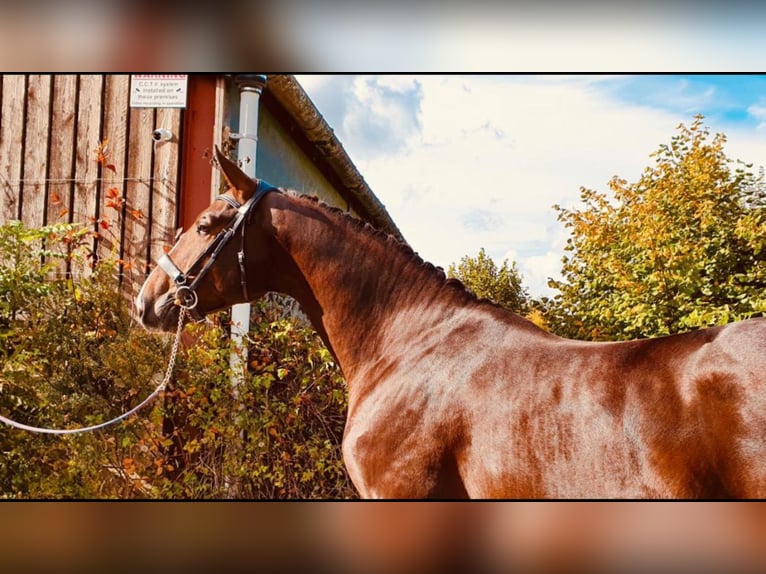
(112, 193)
(61, 170)
(35, 164)
(85, 202)
(61, 157)
(138, 191)
(11, 145)
(165, 189)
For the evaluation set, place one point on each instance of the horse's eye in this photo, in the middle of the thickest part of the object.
(203, 225)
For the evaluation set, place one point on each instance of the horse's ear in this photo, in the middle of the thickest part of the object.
(239, 182)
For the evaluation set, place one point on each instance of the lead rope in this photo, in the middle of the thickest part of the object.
(157, 391)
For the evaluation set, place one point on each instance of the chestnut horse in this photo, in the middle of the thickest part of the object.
(452, 396)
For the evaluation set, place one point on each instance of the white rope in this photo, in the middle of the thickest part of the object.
(157, 391)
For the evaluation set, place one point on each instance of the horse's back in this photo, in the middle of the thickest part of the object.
(679, 416)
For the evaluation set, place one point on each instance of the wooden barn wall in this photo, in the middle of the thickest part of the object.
(52, 128)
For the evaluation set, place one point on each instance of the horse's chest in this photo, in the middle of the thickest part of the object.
(395, 441)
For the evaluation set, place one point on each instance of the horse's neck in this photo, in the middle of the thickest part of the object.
(353, 283)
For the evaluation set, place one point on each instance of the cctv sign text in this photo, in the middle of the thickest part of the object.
(158, 90)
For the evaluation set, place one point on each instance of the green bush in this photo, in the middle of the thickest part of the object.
(276, 434)
(72, 355)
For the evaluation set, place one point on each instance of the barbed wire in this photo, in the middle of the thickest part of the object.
(84, 181)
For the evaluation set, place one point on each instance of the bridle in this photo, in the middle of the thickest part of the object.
(186, 294)
(186, 297)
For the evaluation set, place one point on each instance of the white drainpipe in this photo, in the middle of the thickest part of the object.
(250, 88)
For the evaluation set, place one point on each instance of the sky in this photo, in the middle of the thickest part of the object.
(464, 162)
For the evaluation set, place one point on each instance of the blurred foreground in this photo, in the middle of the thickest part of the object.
(336, 35)
(396, 537)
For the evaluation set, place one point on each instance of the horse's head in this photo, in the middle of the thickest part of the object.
(205, 270)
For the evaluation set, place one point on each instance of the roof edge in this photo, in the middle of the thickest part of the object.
(297, 103)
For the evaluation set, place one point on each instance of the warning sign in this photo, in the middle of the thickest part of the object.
(158, 90)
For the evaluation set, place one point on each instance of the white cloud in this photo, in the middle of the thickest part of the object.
(502, 152)
(381, 115)
(538, 269)
(463, 163)
(758, 111)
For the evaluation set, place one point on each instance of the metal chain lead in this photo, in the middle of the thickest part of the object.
(174, 351)
(166, 379)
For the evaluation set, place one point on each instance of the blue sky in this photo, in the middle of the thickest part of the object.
(724, 98)
(464, 162)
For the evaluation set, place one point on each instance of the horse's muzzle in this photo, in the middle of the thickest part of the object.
(158, 315)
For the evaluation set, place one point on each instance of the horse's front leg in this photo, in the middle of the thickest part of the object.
(411, 469)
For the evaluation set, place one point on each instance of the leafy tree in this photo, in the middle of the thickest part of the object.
(500, 285)
(683, 247)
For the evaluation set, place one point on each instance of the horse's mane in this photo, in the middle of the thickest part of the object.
(455, 286)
